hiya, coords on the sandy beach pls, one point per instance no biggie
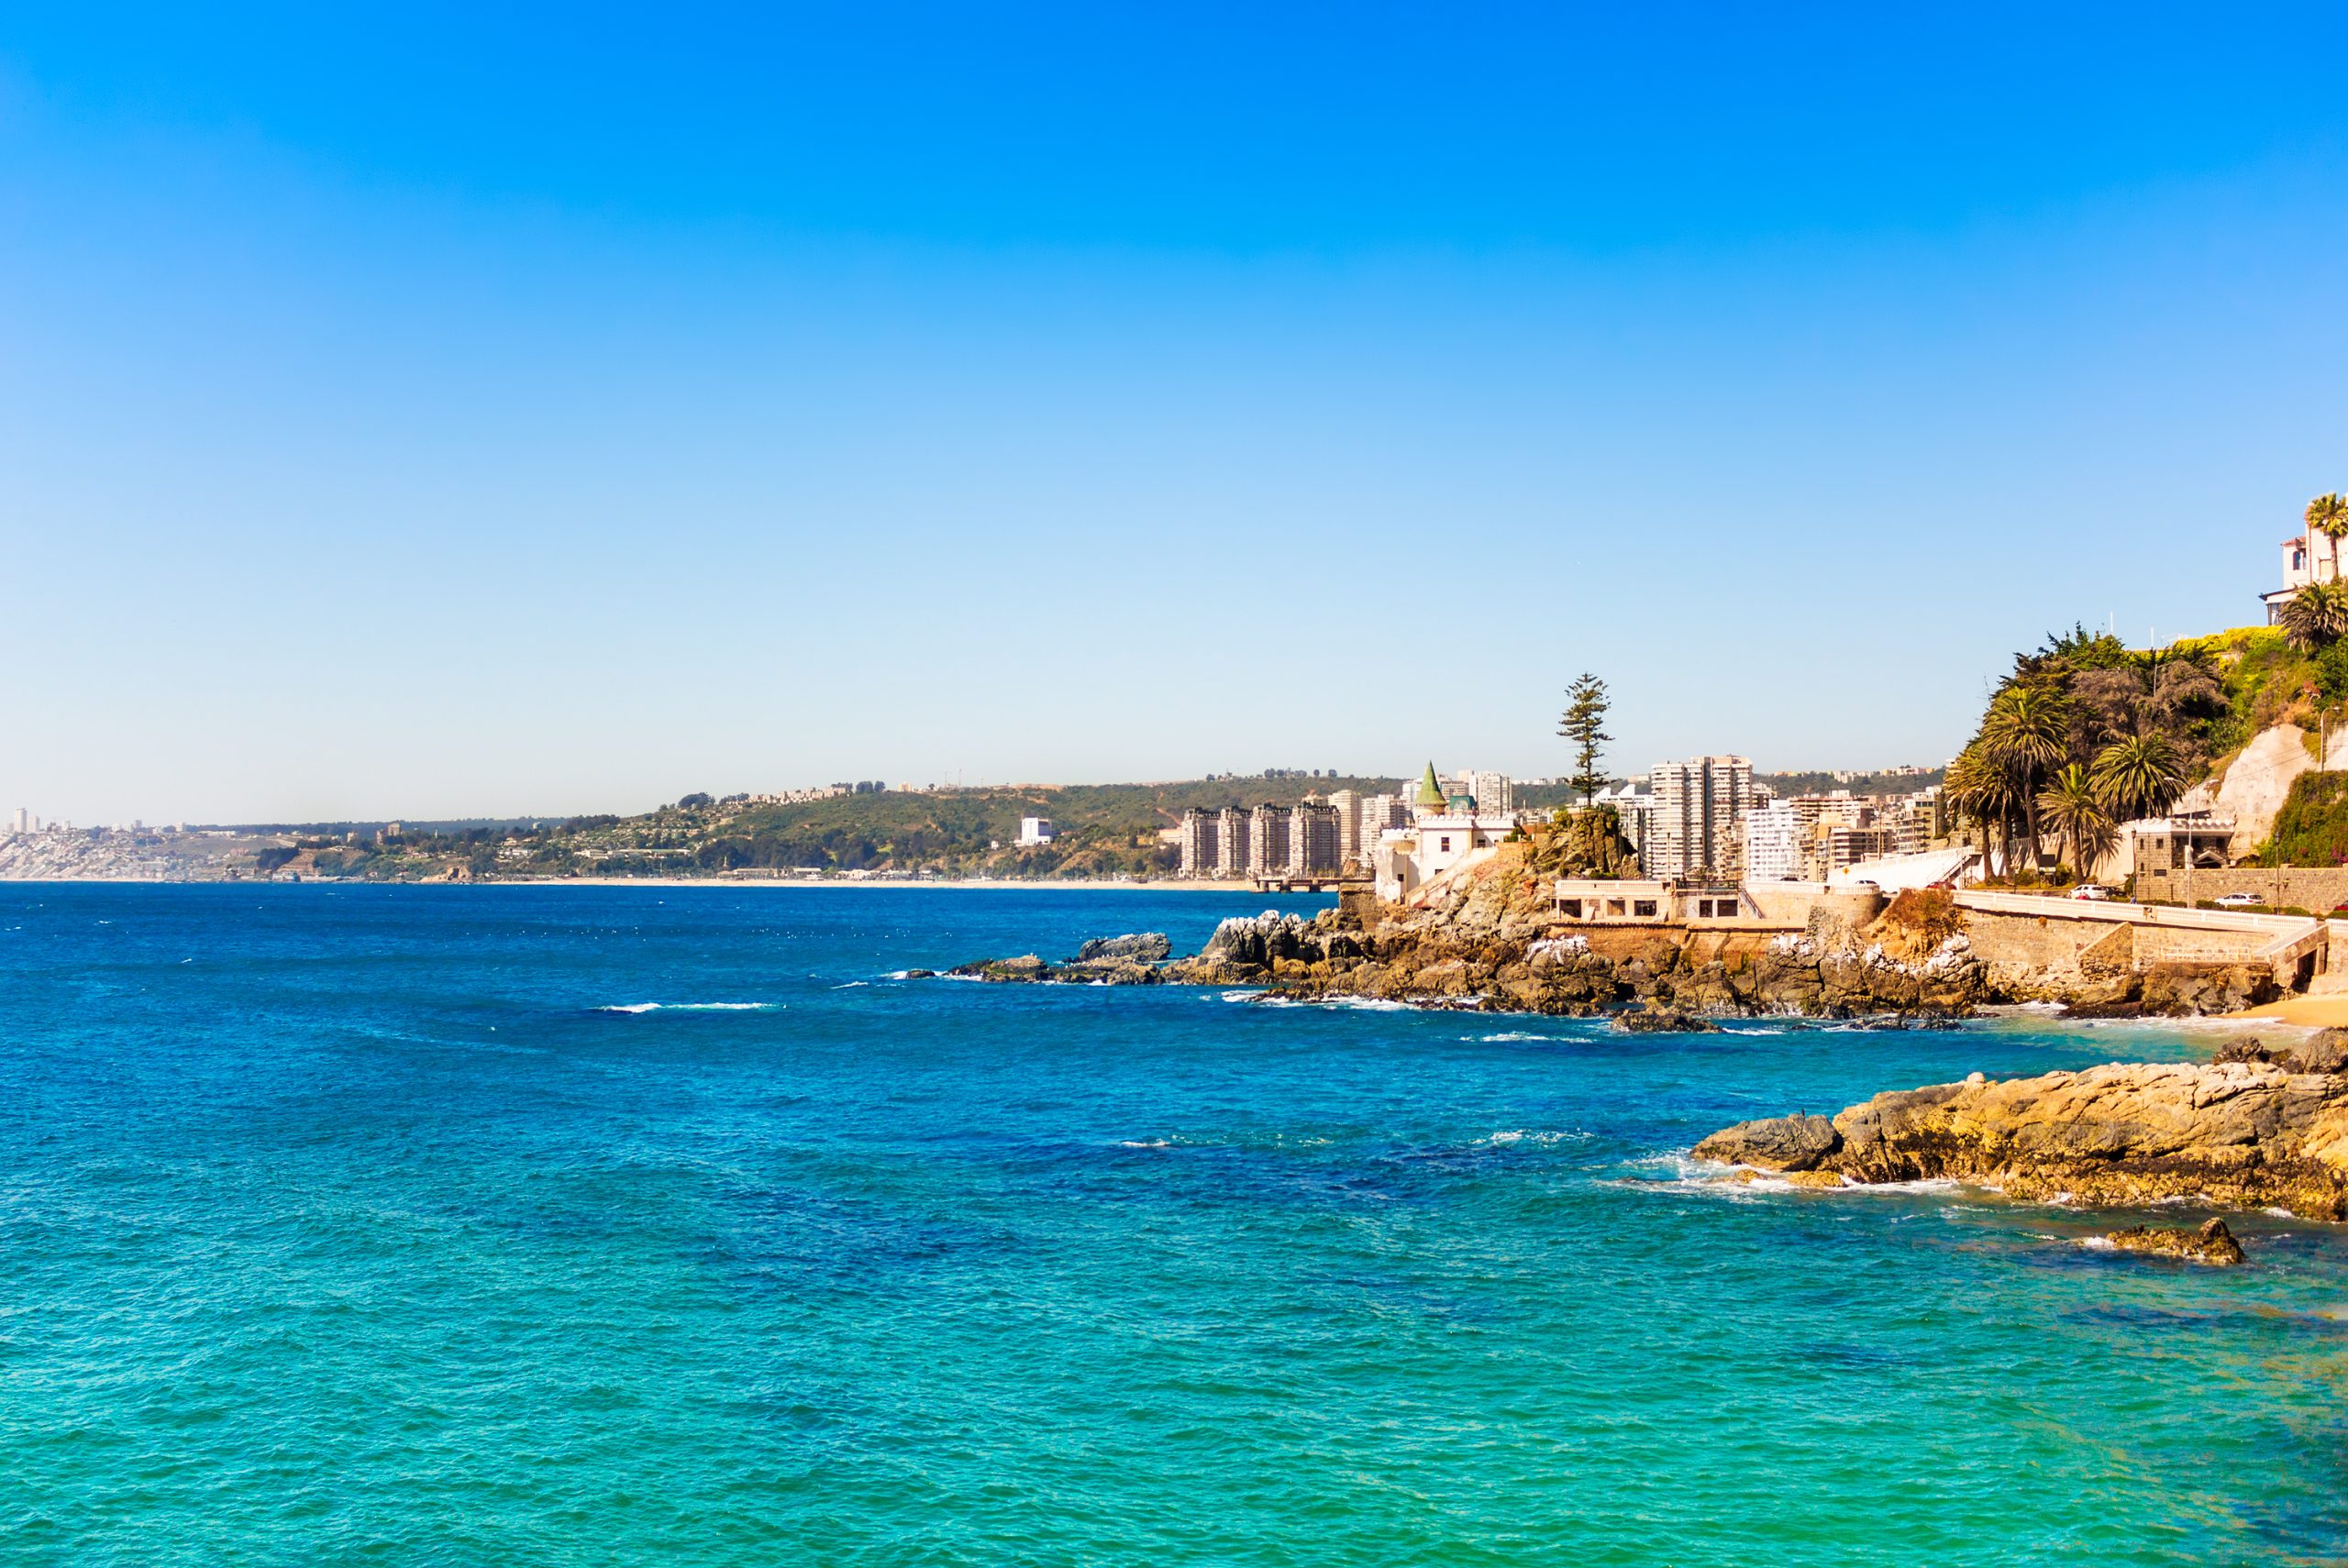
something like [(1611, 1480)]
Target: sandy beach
[(2312, 1012)]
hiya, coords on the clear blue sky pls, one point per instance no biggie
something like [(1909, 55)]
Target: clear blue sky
[(405, 413)]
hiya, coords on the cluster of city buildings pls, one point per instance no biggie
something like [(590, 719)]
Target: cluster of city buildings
[(1704, 820), (1323, 838), (34, 851)]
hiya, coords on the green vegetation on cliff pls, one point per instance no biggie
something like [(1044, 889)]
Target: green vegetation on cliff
[(2312, 829)]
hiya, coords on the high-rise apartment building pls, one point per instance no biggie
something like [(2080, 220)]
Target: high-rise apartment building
[(1348, 807), (1495, 795), (1378, 813), (1202, 842), (1313, 840), (1267, 841), (1773, 843), (1232, 842), (1695, 826)]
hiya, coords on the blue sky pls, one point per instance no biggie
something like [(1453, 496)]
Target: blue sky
[(412, 413)]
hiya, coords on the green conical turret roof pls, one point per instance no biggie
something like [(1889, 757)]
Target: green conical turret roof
[(1430, 792)]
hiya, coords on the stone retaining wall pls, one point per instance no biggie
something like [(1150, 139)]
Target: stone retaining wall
[(2316, 889), (2066, 948)]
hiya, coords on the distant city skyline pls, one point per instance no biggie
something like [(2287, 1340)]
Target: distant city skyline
[(490, 416)]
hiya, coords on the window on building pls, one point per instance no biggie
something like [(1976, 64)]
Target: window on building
[(1571, 907), (1613, 906), (1445, 844), (1643, 906)]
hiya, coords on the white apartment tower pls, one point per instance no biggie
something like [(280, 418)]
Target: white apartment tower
[(1379, 813), (1694, 827), (1773, 843), (1495, 793), (1348, 805)]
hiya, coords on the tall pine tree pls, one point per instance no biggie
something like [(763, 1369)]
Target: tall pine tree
[(1584, 723)]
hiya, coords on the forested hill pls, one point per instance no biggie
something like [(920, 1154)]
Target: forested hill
[(1104, 830)]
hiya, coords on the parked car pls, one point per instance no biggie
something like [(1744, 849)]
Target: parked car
[(2239, 901), (2093, 891)]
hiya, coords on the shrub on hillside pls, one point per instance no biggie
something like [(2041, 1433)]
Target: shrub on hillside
[(1918, 921)]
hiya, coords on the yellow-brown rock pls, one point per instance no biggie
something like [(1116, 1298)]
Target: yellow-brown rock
[(2253, 1134)]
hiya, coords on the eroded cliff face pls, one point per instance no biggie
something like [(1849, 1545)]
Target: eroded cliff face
[(2258, 1128)]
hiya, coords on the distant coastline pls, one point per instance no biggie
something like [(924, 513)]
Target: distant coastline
[(867, 884)]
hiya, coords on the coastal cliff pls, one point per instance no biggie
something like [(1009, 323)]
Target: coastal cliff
[(2257, 1128)]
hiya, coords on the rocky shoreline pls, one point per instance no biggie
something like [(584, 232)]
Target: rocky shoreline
[(2258, 1127), (1492, 943)]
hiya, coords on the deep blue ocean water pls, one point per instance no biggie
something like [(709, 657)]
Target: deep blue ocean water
[(351, 1224)]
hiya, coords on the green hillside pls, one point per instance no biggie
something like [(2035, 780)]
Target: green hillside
[(1104, 830)]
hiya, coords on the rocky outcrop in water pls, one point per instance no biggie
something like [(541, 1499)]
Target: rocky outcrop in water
[(2211, 1244), (2251, 1133), (1139, 947), (1029, 968), (1663, 1021)]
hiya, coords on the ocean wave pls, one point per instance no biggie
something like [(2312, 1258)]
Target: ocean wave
[(1514, 1037), (689, 1006), (1145, 1142), (851, 985)]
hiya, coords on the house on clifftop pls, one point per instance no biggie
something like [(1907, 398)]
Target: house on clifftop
[(2312, 556)]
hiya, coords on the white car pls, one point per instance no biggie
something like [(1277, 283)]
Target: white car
[(2239, 901), (2094, 891)]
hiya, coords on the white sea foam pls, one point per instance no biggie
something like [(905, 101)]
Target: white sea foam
[(1146, 1144), (851, 985), (689, 1007), (1513, 1037)]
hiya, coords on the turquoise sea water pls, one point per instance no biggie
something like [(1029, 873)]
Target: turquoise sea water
[(351, 1224)]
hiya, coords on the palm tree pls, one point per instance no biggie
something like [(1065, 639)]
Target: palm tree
[(2027, 732), (1984, 794), (2139, 776), (2073, 806), (2316, 616), (2328, 514)]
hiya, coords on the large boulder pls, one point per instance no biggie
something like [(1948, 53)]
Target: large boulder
[(2200, 990), (1145, 947), (1258, 939), (2325, 1051), (1795, 1143)]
